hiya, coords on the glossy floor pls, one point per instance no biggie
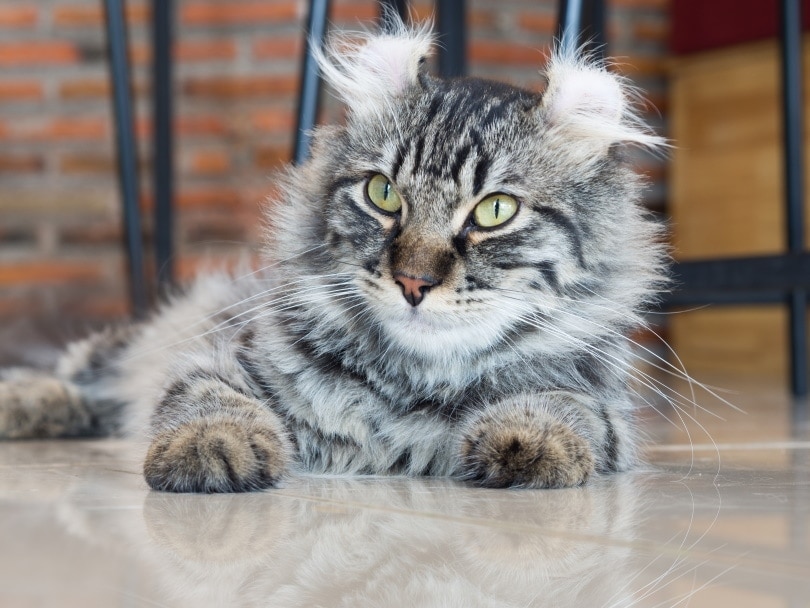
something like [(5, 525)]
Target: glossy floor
[(702, 525)]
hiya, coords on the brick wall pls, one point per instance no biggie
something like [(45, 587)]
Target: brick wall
[(236, 62)]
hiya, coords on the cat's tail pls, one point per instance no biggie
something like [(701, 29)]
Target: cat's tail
[(76, 400)]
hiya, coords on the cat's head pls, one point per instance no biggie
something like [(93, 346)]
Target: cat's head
[(461, 213)]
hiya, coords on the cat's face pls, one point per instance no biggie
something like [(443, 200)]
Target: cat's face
[(464, 212), (444, 221)]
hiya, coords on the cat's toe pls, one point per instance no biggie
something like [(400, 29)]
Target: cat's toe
[(547, 456), (216, 455)]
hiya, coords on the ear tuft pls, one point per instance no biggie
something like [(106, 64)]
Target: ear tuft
[(369, 70), (587, 104)]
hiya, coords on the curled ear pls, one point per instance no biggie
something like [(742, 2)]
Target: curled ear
[(589, 108), (368, 71)]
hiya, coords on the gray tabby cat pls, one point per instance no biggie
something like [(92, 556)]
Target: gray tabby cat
[(449, 283)]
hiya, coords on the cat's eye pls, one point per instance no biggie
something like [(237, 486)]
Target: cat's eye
[(382, 193), (494, 210)]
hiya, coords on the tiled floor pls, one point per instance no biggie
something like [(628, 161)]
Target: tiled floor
[(703, 525)]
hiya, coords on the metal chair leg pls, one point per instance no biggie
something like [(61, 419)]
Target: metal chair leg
[(126, 151), (162, 22), (791, 41), (309, 95), (453, 36), (582, 22)]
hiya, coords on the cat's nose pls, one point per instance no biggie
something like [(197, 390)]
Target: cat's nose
[(414, 288)]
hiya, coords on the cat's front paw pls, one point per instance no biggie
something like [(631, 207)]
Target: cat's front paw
[(217, 454), (524, 448)]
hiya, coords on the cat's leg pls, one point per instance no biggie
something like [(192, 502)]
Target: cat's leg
[(550, 440), (76, 400), (37, 405), (210, 434)]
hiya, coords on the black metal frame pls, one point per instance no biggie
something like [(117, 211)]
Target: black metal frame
[(452, 29), (127, 154), (162, 138), (127, 151), (791, 47), (310, 91), (581, 25)]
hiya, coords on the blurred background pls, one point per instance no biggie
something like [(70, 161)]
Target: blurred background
[(710, 75)]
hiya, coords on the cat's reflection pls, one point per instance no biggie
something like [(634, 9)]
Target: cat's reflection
[(414, 543)]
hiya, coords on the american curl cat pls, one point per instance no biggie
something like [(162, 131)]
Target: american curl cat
[(447, 290)]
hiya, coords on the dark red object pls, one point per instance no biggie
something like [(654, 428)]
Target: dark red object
[(701, 25)]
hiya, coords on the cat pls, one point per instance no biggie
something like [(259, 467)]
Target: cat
[(447, 288)]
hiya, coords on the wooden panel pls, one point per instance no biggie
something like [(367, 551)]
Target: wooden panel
[(751, 341), (727, 198)]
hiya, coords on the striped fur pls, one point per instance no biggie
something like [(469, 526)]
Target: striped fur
[(511, 371)]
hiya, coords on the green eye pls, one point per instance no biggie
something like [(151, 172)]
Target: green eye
[(381, 192), (494, 210)]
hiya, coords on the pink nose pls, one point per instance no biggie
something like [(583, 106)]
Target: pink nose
[(414, 288)]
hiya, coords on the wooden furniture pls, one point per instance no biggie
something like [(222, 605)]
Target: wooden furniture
[(727, 198)]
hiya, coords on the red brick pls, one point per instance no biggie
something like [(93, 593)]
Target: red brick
[(237, 87), (205, 50), (203, 124), (83, 15), (209, 197), (271, 158), (480, 19), (353, 12), (485, 51), (20, 89), (86, 162), (78, 128), (37, 53), (423, 11), (84, 88), (544, 23), (190, 125), (217, 13), (651, 31), (18, 16), (209, 162), (100, 307), (285, 47), (272, 121), (21, 163), (14, 308), (51, 272), (187, 267), (63, 129), (214, 226), (94, 233), (91, 88), (189, 50)]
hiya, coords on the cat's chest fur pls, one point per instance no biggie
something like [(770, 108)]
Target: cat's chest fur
[(353, 404)]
